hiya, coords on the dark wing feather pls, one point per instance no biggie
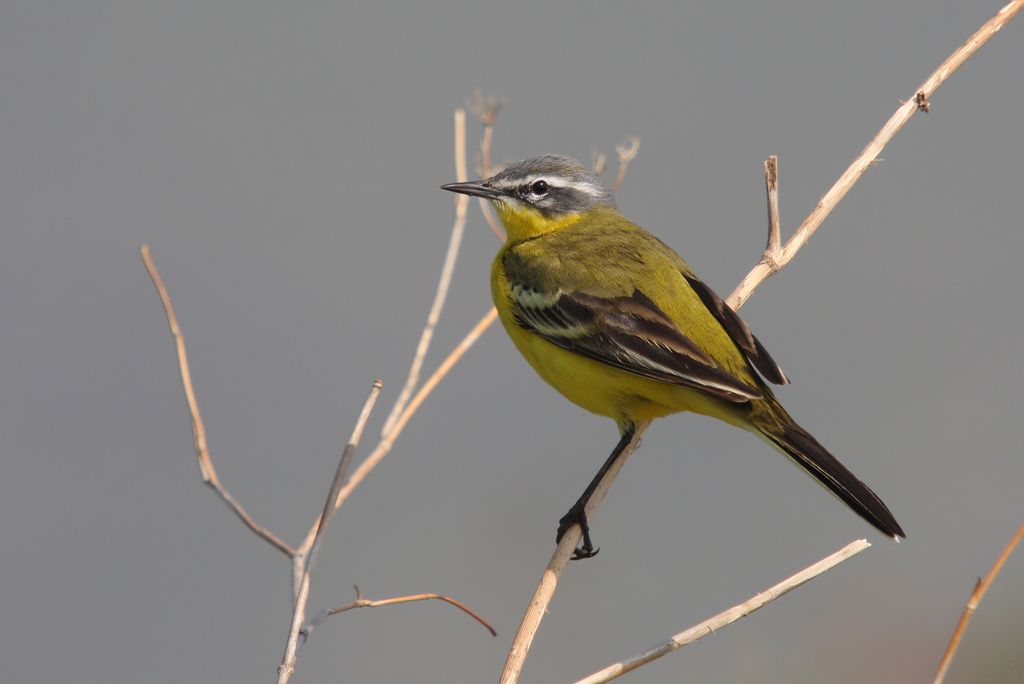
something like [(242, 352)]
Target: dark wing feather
[(630, 333), (739, 332)]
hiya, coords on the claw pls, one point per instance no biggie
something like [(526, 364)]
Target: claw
[(577, 516)]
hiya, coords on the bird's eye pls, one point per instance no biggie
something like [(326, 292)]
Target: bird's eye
[(539, 187)]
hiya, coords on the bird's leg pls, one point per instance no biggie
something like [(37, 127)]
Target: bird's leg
[(577, 515)]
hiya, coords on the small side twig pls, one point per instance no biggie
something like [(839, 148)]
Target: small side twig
[(627, 153), (486, 110), (287, 666), (726, 617), (206, 469), (972, 604), (361, 602)]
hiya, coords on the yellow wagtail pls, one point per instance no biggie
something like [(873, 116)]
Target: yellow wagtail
[(617, 322)]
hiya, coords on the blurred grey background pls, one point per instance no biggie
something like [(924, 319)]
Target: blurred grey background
[(283, 160)]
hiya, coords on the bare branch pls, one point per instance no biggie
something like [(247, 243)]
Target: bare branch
[(830, 199), (291, 651), (361, 602), (545, 590), (549, 580), (458, 228), (727, 617), (206, 469), (972, 604), (626, 155)]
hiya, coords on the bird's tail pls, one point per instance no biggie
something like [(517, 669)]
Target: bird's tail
[(782, 432)]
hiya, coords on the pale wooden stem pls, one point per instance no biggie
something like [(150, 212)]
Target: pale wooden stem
[(972, 604), (441, 294), (291, 650), (206, 469), (545, 590), (828, 202), (726, 617), (549, 580)]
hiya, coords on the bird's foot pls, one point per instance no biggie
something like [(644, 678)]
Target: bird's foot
[(577, 516)]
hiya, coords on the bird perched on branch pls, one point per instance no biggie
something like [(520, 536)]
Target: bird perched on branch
[(618, 323)]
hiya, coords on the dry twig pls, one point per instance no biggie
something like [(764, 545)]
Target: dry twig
[(486, 110), (441, 294), (627, 153), (406, 405), (726, 617), (765, 268), (972, 604), (291, 651), (361, 602), (206, 469)]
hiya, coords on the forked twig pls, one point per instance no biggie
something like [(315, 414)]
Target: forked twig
[(206, 469), (304, 556), (549, 579), (291, 650), (726, 617), (869, 154), (627, 153), (972, 604)]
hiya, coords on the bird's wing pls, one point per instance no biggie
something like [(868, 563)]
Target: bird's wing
[(627, 332), (739, 332)]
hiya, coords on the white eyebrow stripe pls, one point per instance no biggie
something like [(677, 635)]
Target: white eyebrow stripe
[(558, 182)]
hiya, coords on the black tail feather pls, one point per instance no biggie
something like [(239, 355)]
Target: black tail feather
[(807, 453)]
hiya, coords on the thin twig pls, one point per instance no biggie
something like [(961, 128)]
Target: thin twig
[(549, 580), (361, 602), (598, 162), (341, 474), (626, 155), (771, 186), (441, 294), (830, 199), (384, 446), (291, 650), (972, 604), (545, 590), (726, 617), (486, 110), (206, 469), (399, 418)]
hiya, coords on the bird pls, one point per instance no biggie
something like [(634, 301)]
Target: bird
[(619, 324)]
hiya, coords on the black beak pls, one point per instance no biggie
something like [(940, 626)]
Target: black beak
[(474, 188)]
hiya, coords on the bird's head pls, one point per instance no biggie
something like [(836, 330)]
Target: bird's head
[(540, 195)]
